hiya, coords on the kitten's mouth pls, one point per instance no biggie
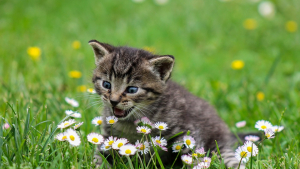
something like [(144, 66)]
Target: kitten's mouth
[(119, 113)]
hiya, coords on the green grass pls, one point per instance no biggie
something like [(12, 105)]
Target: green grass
[(204, 36)]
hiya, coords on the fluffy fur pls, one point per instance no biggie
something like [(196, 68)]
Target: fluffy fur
[(157, 98)]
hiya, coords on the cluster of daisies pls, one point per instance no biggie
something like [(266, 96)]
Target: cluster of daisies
[(249, 149), (144, 126)]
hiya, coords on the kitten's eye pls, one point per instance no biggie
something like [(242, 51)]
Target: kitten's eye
[(131, 89), (106, 85)]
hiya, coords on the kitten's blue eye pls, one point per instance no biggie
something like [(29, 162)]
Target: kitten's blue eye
[(106, 85), (131, 89)]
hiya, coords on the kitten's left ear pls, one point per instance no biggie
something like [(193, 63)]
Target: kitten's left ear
[(100, 50), (163, 65)]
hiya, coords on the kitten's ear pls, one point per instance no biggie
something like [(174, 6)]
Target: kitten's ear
[(100, 50), (163, 65)]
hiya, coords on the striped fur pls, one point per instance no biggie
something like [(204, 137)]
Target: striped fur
[(157, 98)]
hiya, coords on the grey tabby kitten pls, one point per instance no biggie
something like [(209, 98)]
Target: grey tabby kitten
[(134, 83)]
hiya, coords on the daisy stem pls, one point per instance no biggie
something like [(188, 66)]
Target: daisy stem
[(176, 158), (151, 154), (261, 141), (159, 134), (240, 163), (129, 161), (112, 152)]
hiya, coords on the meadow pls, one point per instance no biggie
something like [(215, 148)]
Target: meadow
[(240, 58)]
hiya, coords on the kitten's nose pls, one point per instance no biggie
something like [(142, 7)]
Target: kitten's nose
[(114, 103)]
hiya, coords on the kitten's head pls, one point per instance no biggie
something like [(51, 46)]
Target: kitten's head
[(129, 79)]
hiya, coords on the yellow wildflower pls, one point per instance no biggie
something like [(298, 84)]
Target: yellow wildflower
[(82, 88), (76, 44), (237, 64), (291, 26), (149, 49), (250, 24), (75, 74), (260, 96), (34, 53)]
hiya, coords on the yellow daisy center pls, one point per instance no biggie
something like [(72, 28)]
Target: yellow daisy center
[(276, 130), (90, 90), (111, 121), (178, 147), (187, 161), (243, 154), (64, 137), (206, 160), (66, 124), (188, 142), (120, 145), (128, 151), (194, 155), (263, 127), (99, 122), (107, 147), (142, 147), (158, 141), (110, 142), (249, 149), (161, 127), (95, 140), (72, 137), (143, 131), (268, 135)]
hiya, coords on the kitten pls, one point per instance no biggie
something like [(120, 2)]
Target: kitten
[(134, 83)]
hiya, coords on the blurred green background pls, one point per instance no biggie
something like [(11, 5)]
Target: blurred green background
[(205, 36), (240, 55)]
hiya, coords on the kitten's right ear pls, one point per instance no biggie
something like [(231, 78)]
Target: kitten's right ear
[(100, 50)]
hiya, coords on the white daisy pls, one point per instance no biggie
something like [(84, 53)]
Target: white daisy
[(240, 124), (159, 141), (202, 165), (72, 102), (61, 136), (200, 152), (110, 140), (143, 148), (189, 141), (105, 147), (161, 126), (207, 160), (97, 121), (66, 124), (277, 128), (78, 125), (146, 121), (263, 125), (266, 9), (241, 153), (143, 129), (187, 159), (250, 146), (127, 150), (95, 138), (73, 138), (91, 90), (74, 114), (111, 120), (252, 138), (119, 143), (177, 146), (269, 133)]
